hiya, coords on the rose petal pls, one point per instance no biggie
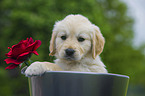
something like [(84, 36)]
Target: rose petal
[(18, 49), (31, 40), (24, 56), (12, 66), (9, 54), (30, 47), (10, 60), (33, 46), (38, 43), (35, 52), (24, 42)]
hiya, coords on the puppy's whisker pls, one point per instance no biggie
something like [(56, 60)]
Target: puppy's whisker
[(82, 50)]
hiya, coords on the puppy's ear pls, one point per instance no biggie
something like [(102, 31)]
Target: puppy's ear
[(98, 42), (52, 48)]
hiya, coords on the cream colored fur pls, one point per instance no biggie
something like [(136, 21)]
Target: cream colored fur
[(86, 57)]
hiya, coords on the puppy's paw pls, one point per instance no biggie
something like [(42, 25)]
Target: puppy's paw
[(36, 68)]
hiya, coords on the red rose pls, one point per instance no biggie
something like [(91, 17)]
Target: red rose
[(21, 52)]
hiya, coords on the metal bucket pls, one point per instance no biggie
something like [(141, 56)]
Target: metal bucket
[(64, 83)]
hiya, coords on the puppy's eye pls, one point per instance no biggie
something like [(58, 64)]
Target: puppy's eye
[(80, 39), (63, 37)]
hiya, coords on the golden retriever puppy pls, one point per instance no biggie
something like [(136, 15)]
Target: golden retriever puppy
[(77, 44)]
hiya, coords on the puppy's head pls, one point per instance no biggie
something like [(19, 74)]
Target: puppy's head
[(75, 37)]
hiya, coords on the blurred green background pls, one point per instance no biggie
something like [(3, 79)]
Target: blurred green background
[(20, 19)]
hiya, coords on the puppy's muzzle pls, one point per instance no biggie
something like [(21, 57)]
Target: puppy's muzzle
[(69, 52)]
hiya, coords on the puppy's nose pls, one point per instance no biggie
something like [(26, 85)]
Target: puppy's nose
[(69, 52)]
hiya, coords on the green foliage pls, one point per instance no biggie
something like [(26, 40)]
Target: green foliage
[(20, 19)]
